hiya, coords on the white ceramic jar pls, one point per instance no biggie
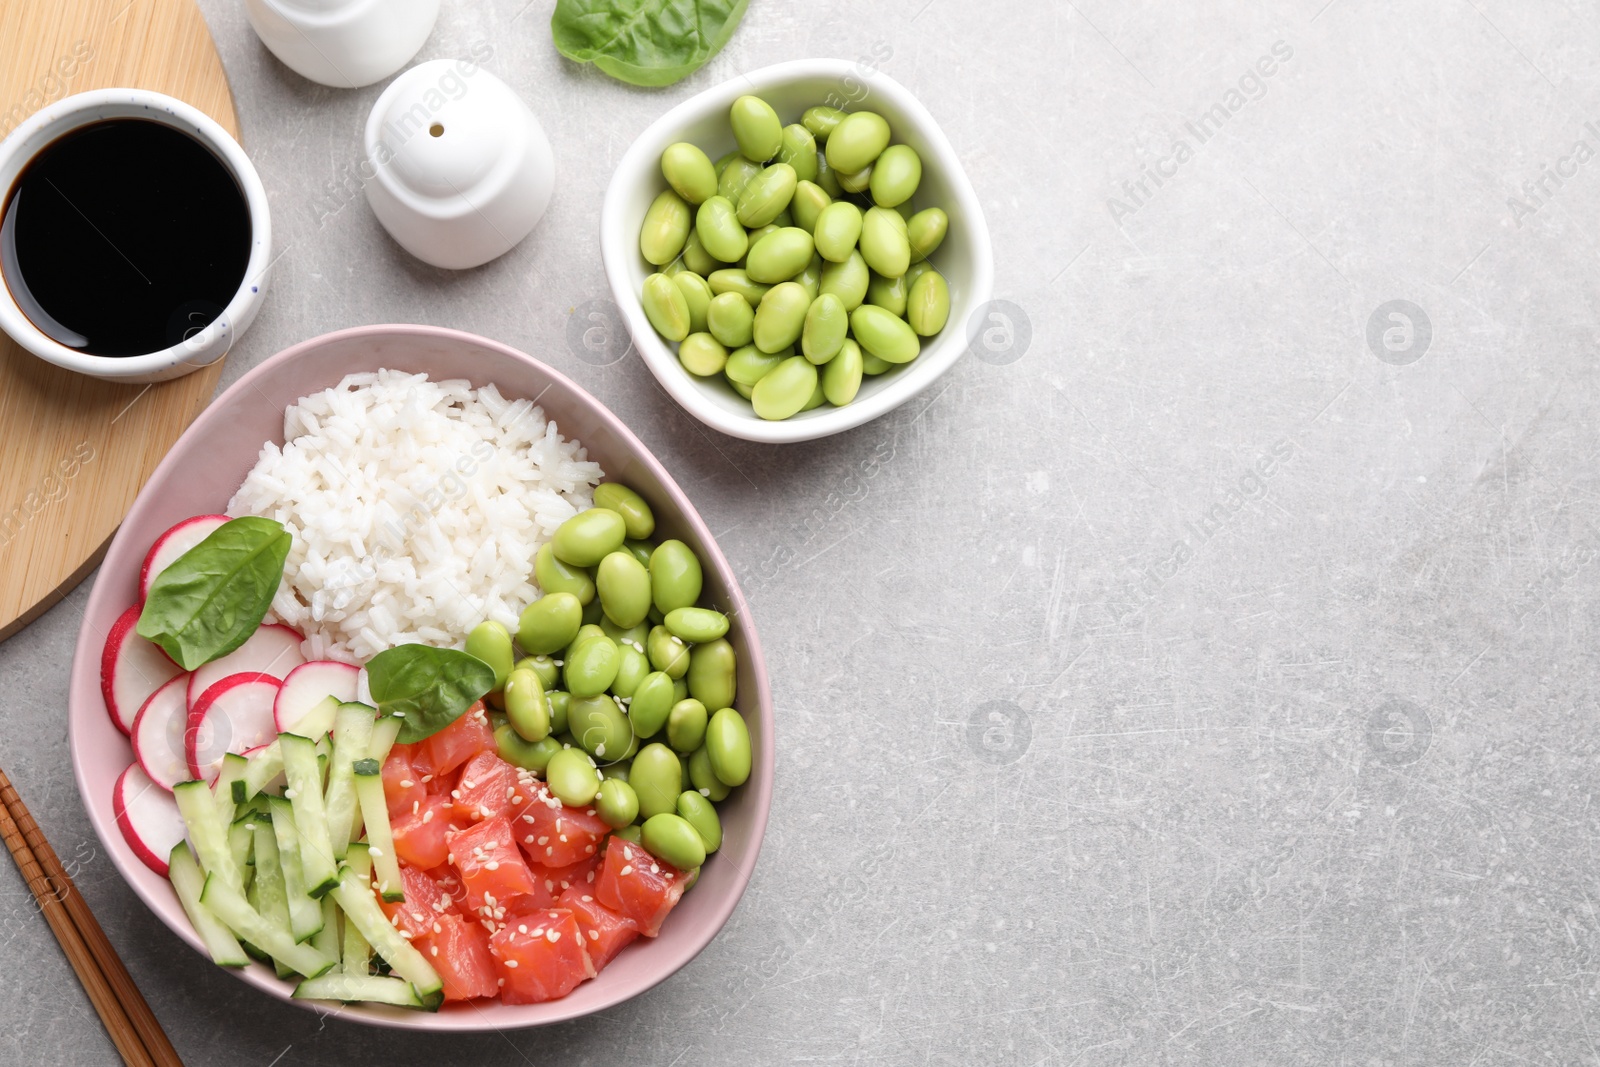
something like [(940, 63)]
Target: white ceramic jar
[(343, 43)]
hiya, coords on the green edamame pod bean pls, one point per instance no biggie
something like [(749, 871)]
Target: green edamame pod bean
[(928, 307), (680, 689), (756, 128), (699, 813), (670, 838), (527, 708), (781, 316), (666, 228), (728, 747), (627, 636), (655, 776), (560, 701), (717, 224), (697, 295), (827, 177), (651, 705), (808, 204), (529, 755), (591, 666), (639, 550), (722, 161), (689, 171), (550, 623), (632, 668), (704, 779), (743, 390), (589, 537), (782, 393), (838, 230), (616, 771), (918, 268), (543, 667), (731, 320), (589, 629), (617, 804), (884, 334), (817, 398), (857, 182), (624, 587), (667, 653), (799, 150), (779, 255), (696, 625), (572, 777), (591, 610), (841, 378), (735, 280), (627, 833), (755, 238), (600, 727), (702, 355), (810, 279), (556, 576), (857, 140), (713, 667), (665, 307), (490, 641), (888, 293), (926, 230), (696, 258), (848, 280), (896, 175), (675, 577), (733, 180), (821, 121), (827, 322), (872, 366), (767, 195), (785, 217), (686, 726), (883, 242)]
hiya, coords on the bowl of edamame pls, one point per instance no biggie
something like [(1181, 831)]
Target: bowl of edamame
[(796, 251)]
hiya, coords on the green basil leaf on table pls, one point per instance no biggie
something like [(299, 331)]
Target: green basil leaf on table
[(427, 687), (214, 596), (645, 42)]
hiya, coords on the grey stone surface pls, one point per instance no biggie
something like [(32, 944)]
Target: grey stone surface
[(1099, 744)]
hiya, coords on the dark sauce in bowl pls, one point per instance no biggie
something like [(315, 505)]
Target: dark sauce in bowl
[(124, 237)]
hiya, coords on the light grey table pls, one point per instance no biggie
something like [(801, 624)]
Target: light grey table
[(1209, 678)]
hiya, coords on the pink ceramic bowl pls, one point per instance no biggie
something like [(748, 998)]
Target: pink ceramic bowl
[(201, 473)]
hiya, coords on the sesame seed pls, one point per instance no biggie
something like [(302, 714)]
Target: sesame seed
[(427, 815), (590, 811), (552, 936), (374, 850), (468, 784), (588, 849), (528, 840), (654, 869), (433, 950), (416, 806), (594, 935), (627, 869), (500, 982), (549, 850), (406, 783), (511, 963), (455, 794), (492, 865), (426, 778), (289, 794), (450, 857), (549, 886), (543, 840), (705, 792)]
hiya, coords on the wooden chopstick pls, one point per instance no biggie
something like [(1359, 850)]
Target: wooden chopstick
[(128, 1019)]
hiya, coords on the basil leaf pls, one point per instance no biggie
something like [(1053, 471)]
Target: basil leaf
[(645, 42), (214, 596), (427, 687)]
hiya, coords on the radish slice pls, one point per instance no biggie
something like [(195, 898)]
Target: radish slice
[(147, 816), (234, 715), (273, 650), (131, 668), (158, 734), (309, 685), (174, 543)]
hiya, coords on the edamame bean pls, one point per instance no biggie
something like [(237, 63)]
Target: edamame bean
[(572, 777), (827, 177), (617, 804), (627, 636), (780, 317), (559, 701), (728, 747), (841, 378), (799, 150), (731, 183), (670, 838), (529, 755), (617, 771), (817, 398), (527, 708), (589, 537), (589, 629), (667, 653), (543, 667), (652, 704), (810, 279), (808, 204), (742, 389), (655, 776), (696, 258), (624, 587), (785, 217), (837, 231), (592, 612), (686, 726), (731, 320), (755, 238), (784, 392), (928, 308), (591, 666), (884, 334), (600, 727), (490, 641), (918, 268), (704, 779), (756, 128), (872, 366), (699, 813), (702, 355), (632, 669), (697, 295), (556, 576), (721, 235), (857, 182), (848, 280), (896, 175), (696, 625), (639, 550), (713, 674), (926, 230), (689, 171), (767, 195), (735, 280), (821, 121), (665, 307), (888, 293), (666, 228), (883, 242), (827, 322), (779, 256), (857, 140), (675, 577), (722, 161), (550, 623), (749, 365)]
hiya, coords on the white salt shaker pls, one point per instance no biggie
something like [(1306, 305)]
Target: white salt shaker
[(343, 43), (463, 168)]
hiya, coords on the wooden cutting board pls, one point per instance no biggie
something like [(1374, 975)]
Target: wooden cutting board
[(75, 451)]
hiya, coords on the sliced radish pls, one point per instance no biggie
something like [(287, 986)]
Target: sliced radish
[(147, 816), (158, 734), (131, 668), (174, 543), (307, 686), (273, 650), (234, 715)]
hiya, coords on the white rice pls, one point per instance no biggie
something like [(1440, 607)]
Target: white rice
[(416, 508)]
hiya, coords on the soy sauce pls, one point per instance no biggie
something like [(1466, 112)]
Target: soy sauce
[(124, 237)]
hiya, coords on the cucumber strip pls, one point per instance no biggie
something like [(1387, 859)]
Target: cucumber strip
[(365, 988), (319, 720), (310, 817), (305, 916), (207, 832), (324, 749), (229, 905), (189, 882), (233, 770), (352, 736), (361, 907), (241, 842), (265, 767), (356, 955), (272, 900), (384, 732), (380, 841), (326, 940)]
